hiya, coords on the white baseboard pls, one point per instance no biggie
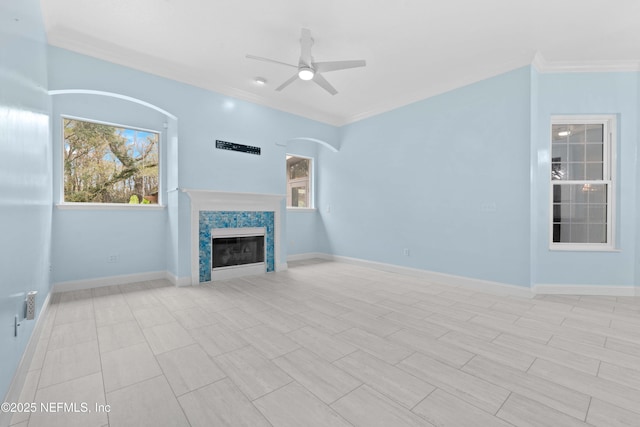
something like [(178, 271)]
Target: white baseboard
[(15, 388), (308, 255), (618, 291), (432, 276), (99, 282), (177, 281), (478, 284)]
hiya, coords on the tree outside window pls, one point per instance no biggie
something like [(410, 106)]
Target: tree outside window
[(109, 164)]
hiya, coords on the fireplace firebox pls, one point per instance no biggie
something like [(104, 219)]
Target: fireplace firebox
[(237, 251), (234, 251)]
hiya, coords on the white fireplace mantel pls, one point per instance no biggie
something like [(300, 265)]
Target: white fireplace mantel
[(207, 200)]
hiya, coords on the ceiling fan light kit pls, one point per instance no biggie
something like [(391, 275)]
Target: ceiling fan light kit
[(308, 69), (305, 73)]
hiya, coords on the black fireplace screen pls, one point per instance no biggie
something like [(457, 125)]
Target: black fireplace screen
[(230, 251)]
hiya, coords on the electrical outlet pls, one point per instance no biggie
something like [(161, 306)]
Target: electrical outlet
[(113, 258), (405, 251)]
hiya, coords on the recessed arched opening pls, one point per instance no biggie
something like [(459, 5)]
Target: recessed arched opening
[(314, 140), (112, 95)]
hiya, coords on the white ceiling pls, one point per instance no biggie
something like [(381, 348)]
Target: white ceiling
[(414, 48)]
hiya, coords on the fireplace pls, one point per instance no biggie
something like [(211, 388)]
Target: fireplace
[(223, 215), (237, 248)]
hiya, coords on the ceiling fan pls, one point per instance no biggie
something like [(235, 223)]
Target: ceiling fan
[(308, 69)]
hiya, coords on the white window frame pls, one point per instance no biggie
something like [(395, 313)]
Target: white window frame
[(609, 122), (62, 204), (312, 204)]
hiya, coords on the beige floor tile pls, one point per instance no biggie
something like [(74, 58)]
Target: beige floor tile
[(443, 409), (364, 407), (621, 375), (150, 403), (68, 334), (324, 345), (153, 316), (381, 348), (317, 375), (364, 307), (74, 311), (236, 319), (406, 309), (279, 320), (113, 314), (327, 307), (269, 341), (324, 322), (421, 325), (587, 349), (598, 352), (553, 354), (536, 334), (624, 346), (176, 302), (546, 392), (221, 404), (393, 382), (600, 388), (37, 360), (81, 396), (69, 363), (104, 291), (217, 339), (27, 394), (441, 350), (189, 368), (127, 366), (465, 326), (294, 406), (253, 373), (120, 335), (194, 317), (286, 305), (379, 326), (166, 337), (505, 355), (139, 299), (603, 414), (469, 388), (523, 412)]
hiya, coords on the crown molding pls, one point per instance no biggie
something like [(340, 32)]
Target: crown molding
[(543, 66), (102, 51)]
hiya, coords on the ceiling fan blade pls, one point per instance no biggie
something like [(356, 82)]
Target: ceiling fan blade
[(259, 58), (287, 83), (305, 43), (324, 67), (324, 84)]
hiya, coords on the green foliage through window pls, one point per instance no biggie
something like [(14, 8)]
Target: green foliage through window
[(109, 164)]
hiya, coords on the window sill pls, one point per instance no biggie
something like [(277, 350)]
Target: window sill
[(108, 206), (582, 249), (289, 209)]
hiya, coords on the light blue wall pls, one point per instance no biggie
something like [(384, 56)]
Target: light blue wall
[(83, 240), (447, 178), (202, 117), (305, 229), (25, 176), (589, 93)]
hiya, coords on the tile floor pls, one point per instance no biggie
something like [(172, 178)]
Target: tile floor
[(332, 344)]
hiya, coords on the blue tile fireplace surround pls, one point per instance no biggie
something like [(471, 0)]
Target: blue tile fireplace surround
[(208, 220)]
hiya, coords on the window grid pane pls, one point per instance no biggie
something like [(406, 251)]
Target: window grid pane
[(580, 213), (298, 182)]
